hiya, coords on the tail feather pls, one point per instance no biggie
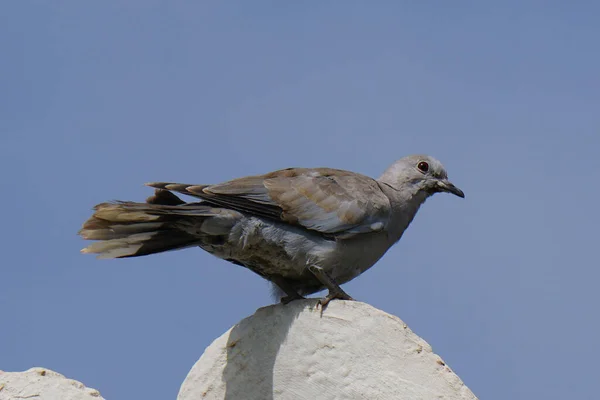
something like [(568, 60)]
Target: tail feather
[(164, 197), (132, 246), (127, 229)]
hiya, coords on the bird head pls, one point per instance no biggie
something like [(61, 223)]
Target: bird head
[(420, 174)]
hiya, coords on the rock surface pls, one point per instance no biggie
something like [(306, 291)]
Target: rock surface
[(43, 384), (296, 352)]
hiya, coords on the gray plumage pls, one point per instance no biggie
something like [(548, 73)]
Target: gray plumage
[(304, 229)]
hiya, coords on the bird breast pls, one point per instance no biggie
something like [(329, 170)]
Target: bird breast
[(270, 248)]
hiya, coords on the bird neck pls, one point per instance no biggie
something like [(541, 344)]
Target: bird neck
[(405, 202)]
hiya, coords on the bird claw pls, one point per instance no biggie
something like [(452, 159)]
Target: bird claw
[(340, 295)]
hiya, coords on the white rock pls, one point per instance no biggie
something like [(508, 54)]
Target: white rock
[(43, 384), (295, 352)]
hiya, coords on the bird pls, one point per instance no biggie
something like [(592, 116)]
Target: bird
[(303, 229)]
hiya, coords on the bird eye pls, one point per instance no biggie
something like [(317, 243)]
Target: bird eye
[(423, 166)]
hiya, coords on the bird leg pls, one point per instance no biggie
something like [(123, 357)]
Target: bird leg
[(291, 293), (291, 297), (335, 291)]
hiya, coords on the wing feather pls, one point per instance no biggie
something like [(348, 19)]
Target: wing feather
[(329, 201)]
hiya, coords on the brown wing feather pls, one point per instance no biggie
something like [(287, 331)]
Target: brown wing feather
[(240, 201), (326, 200)]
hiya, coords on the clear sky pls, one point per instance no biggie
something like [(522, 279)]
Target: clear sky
[(97, 98)]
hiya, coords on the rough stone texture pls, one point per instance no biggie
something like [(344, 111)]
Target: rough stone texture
[(43, 384), (295, 352)]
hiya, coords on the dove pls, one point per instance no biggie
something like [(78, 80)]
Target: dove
[(302, 229)]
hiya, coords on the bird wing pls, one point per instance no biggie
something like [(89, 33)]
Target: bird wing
[(330, 201)]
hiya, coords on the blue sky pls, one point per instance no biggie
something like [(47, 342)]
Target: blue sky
[(97, 98)]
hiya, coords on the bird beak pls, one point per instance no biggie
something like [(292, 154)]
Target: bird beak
[(445, 185)]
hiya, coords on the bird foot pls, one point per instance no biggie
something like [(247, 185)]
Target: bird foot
[(340, 295), (335, 291)]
